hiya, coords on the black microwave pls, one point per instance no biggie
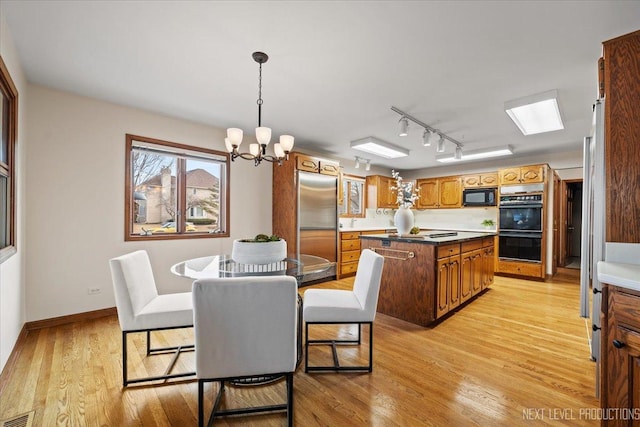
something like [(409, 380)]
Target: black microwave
[(479, 197)]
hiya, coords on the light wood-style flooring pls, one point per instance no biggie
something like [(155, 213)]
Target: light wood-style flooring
[(517, 355)]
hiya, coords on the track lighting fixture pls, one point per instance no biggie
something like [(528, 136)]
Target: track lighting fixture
[(357, 165), (360, 160), (440, 146), (429, 136), (404, 125), (368, 165), (458, 155)]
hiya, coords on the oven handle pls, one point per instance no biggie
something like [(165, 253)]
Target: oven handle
[(514, 206), (528, 234)]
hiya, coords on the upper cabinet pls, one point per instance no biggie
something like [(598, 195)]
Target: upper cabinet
[(445, 192), (351, 200), (522, 175), (379, 192), (311, 164), (489, 179)]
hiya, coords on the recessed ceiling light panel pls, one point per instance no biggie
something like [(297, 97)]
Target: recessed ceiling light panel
[(380, 148), (536, 113)]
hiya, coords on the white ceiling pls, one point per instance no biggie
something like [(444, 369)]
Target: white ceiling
[(335, 68)]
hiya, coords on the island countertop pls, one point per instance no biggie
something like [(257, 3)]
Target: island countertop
[(432, 237)]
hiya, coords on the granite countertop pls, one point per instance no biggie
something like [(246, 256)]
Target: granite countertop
[(426, 237), (390, 227)]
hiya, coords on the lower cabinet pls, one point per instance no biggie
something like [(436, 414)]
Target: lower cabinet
[(349, 251), (620, 356), (463, 271)]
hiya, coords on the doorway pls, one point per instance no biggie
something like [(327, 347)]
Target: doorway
[(571, 224)]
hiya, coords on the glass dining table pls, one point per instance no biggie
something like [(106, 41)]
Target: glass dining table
[(218, 266)]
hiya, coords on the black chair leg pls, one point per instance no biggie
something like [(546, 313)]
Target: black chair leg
[(336, 364), (290, 399)]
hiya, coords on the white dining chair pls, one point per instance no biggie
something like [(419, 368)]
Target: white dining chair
[(245, 329), (335, 307), (142, 309)]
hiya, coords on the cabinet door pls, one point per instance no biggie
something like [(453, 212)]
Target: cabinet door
[(466, 276), (489, 180), (450, 192), (307, 163), (442, 300), (390, 196), (509, 176), (532, 174), (488, 266), (454, 282), (428, 193), (329, 168), (471, 181), (476, 268), (624, 371)]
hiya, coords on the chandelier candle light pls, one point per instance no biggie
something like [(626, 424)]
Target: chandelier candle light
[(407, 194), (258, 152)]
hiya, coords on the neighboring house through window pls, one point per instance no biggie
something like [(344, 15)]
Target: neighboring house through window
[(174, 190), (8, 128)]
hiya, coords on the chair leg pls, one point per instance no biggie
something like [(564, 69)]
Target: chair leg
[(200, 403), (150, 351), (290, 399), (336, 363)]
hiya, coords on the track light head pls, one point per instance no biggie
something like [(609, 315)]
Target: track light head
[(357, 166), (440, 146), (404, 125), (367, 166), (425, 138), (458, 154)]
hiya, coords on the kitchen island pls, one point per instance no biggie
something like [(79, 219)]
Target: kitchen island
[(429, 275)]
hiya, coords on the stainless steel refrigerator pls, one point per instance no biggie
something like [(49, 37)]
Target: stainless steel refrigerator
[(593, 230), (317, 221)]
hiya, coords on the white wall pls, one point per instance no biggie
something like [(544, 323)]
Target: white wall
[(12, 271), (75, 182)]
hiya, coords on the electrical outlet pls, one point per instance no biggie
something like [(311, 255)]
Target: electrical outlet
[(94, 291)]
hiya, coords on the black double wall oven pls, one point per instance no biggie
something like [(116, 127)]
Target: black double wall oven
[(520, 229)]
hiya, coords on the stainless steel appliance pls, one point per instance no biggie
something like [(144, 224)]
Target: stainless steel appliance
[(520, 227), (318, 220), (479, 197), (593, 229)]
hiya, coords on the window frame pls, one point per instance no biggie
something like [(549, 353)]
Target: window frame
[(181, 151), (347, 197), (9, 92)]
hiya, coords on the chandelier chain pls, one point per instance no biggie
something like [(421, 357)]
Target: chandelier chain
[(259, 101)]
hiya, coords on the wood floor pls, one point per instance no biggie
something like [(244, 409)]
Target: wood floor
[(517, 355)]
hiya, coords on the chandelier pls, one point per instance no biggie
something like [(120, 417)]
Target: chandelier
[(258, 151)]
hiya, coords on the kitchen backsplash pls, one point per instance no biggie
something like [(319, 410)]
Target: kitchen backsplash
[(454, 219)]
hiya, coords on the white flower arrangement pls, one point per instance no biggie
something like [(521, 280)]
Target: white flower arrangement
[(407, 192)]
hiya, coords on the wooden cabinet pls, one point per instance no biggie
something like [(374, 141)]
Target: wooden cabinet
[(523, 175), (448, 279), (472, 270), (620, 354), (488, 262), (349, 249), (311, 164), (445, 192), (489, 179), (621, 63), (531, 269), (379, 192)]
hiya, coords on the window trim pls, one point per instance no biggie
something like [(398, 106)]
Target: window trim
[(174, 148), (9, 91), (347, 197)]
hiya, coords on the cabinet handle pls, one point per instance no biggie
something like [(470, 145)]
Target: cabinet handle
[(595, 328), (596, 291), (618, 344)]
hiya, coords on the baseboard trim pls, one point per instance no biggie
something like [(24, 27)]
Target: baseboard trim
[(13, 357), (71, 318)]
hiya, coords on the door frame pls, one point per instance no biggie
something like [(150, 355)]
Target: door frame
[(562, 223)]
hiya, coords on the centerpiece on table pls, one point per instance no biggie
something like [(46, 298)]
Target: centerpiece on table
[(262, 249), (407, 194)]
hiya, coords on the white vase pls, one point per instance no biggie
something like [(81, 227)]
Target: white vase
[(258, 252), (403, 219)]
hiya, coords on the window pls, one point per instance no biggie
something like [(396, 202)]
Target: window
[(8, 127), (175, 191), (352, 201)]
